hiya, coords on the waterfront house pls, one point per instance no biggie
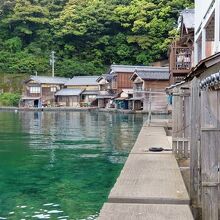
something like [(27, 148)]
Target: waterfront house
[(90, 88), (149, 88), (105, 94), (123, 101), (181, 50), (83, 82), (120, 76), (68, 97), (40, 91)]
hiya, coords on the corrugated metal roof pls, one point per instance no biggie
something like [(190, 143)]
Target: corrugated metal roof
[(131, 69), (153, 75), (188, 18), (83, 81), (49, 79), (69, 92)]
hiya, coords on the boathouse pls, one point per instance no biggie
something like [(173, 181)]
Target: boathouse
[(89, 86), (123, 101), (68, 97), (149, 88), (121, 75), (40, 91), (105, 94)]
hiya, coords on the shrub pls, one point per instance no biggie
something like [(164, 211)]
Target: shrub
[(9, 99)]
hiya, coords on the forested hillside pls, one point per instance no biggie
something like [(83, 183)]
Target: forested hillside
[(87, 35)]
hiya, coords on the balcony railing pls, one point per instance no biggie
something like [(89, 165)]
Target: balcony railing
[(180, 60)]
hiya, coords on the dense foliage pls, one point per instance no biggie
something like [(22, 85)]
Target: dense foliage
[(87, 35), (9, 99)]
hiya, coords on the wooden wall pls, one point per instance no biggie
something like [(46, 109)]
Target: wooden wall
[(124, 82), (69, 101), (156, 84)]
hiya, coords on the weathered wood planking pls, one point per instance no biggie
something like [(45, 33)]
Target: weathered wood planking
[(181, 122), (210, 140), (150, 179), (113, 211), (195, 175)]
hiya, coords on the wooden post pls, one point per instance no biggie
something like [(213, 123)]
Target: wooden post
[(186, 121), (177, 122), (149, 108), (210, 140), (195, 175)]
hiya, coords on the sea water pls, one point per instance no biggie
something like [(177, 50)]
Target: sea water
[(61, 165)]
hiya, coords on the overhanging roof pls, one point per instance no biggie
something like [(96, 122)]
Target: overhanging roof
[(187, 18), (69, 92), (83, 81), (130, 69), (203, 65), (90, 92), (48, 80), (156, 73)]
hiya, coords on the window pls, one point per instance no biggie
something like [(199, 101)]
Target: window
[(53, 89), (34, 89)]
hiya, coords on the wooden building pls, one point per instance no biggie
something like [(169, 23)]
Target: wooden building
[(181, 50), (83, 82), (123, 101), (196, 112), (39, 91), (149, 88), (105, 94), (68, 97), (121, 75), (89, 86)]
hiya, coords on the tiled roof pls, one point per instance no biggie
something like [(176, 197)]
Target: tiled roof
[(69, 92), (188, 18), (49, 79), (130, 69), (83, 81), (154, 74)]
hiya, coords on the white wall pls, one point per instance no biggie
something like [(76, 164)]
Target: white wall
[(201, 7)]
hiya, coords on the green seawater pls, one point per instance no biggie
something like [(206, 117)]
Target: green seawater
[(61, 165)]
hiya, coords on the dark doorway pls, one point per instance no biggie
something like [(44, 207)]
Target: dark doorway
[(36, 102)]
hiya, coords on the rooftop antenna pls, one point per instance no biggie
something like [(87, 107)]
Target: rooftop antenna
[(52, 61)]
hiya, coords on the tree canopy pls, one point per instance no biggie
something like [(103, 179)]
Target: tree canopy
[(87, 35)]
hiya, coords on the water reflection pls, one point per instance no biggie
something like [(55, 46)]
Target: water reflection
[(69, 160)]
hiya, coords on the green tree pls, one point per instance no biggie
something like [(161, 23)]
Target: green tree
[(87, 35)]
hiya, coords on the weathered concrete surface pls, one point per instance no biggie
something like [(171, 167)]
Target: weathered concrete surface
[(118, 211), (151, 137), (150, 185), (150, 179)]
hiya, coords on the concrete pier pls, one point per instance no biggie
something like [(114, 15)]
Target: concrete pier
[(150, 185)]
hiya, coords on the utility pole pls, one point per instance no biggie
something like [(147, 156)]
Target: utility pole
[(52, 62)]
